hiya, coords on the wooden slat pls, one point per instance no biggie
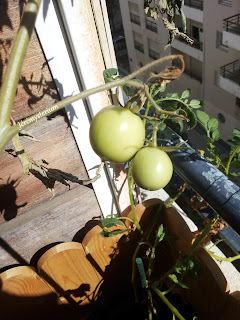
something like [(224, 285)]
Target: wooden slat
[(36, 89), (54, 221), (19, 193)]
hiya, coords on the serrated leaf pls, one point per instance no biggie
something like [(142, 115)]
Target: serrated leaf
[(212, 124), (216, 135), (109, 222), (195, 104), (186, 94), (203, 117), (162, 126)]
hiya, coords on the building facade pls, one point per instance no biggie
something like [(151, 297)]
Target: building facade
[(212, 63)]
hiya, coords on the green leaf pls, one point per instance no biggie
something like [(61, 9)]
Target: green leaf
[(216, 135), (186, 94), (192, 119), (162, 126), (236, 133), (172, 95), (212, 124), (195, 104), (109, 222), (110, 74), (160, 235), (181, 126), (174, 279), (203, 117), (106, 233)]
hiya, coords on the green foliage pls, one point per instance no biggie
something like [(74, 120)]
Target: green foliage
[(110, 74), (175, 279), (190, 267), (105, 233), (110, 222)]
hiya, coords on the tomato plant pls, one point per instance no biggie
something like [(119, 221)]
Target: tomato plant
[(152, 168), (116, 134)]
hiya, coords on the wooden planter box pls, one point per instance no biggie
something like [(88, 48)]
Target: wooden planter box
[(75, 279)]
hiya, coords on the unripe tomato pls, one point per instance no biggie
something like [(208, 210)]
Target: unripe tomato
[(152, 168), (116, 134)]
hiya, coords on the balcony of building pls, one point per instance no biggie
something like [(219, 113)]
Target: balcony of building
[(229, 78), (231, 33), (193, 9), (194, 50)]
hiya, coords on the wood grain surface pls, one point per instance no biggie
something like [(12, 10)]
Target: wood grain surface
[(26, 237)]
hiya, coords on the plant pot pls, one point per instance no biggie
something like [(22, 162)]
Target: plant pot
[(92, 279)]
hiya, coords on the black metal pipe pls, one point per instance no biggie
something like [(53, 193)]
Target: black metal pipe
[(222, 194)]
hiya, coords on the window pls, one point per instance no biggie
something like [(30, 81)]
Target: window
[(227, 3), (153, 49), (138, 42), (220, 43), (134, 13), (195, 33), (151, 26)]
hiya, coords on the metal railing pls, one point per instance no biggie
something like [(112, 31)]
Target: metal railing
[(151, 26), (139, 46), (231, 71), (232, 24), (197, 4), (135, 19), (153, 54)]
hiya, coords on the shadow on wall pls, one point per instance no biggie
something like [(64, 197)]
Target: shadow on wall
[(8, 196)]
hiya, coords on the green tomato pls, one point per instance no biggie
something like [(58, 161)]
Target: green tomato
[(116, 134), (152, 168)]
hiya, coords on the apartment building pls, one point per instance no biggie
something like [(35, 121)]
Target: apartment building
[(212, 62)]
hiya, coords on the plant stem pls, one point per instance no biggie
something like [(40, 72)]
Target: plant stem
[(21, 154), (184, 186), (237, 150), (154, 134), (159, 109), (7, 132), (130, 190), (15, 62), (230, 259), (167, 302)]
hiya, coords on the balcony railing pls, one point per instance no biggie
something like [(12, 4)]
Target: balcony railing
[(153, 54), (231, 71), (196, 44), (197, 4), (151, 26), (138, 46), (232, 24), (135, 19)]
